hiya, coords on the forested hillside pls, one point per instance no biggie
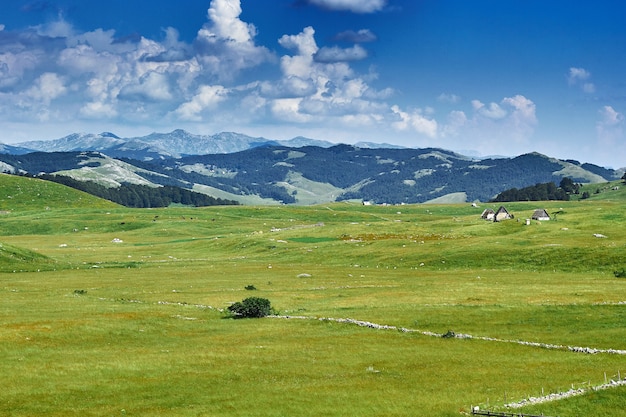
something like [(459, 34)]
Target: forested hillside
[(309, 174), (141, 196)]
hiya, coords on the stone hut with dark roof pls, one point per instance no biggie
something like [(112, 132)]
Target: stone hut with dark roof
[(540, 214)]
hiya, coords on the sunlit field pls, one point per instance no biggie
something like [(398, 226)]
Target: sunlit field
[(112, 311)]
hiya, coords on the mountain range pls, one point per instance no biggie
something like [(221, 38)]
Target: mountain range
[(175, 144), (255, 170)]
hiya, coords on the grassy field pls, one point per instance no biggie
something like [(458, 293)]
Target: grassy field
[(112, 311)]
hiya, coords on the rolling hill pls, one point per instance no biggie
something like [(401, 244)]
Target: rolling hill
[(311, 174), (301, 171), (22, 193)]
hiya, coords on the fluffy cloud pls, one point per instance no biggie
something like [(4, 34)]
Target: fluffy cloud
[(319, 87), (493, 127), (226, 45), (303, 43), (207, 97), (97, 76), (517, 112), (490, 111), (107, 77), (56, 29), (13, 66), (415, 121), (36, 101), (226, 23), (54, 69), (46, 88), (578, 74), (355, 6), (523, 113), (98, 110), (83, 59), (580, 77), (152, 86)]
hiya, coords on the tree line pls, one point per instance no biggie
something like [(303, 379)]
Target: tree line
[(140, 196), (540, 192)]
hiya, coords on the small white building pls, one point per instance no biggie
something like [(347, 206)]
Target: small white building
[(502, 214), (488, 214)]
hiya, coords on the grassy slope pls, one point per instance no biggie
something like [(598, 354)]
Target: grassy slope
[(129, 320), (31, 194), (29, 205)]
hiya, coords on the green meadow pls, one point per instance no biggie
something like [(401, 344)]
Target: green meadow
[(110, 311)]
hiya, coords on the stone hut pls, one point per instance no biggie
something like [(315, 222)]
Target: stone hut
[(488, 214), (540, 214), (502, 214)]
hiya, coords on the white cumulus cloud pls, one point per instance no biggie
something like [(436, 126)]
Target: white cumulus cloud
[(415, 121), (225, 45), (151, 86), (46, 88), (523, 109), (226, 23), (318, 86), (207, 97), (491, 111), (98, 110)]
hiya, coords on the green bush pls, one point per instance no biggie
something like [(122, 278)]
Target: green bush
[(251, 307)]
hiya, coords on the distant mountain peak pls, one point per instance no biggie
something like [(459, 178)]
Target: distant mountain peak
[(179, 132)]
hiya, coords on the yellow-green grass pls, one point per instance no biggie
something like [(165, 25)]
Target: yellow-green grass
[(104, 349), (30, 194), (125, 315)]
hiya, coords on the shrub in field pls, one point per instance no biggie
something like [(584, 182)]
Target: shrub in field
[(251, 307), (250, 287), (620, 273)]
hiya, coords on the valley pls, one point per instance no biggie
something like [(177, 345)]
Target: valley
[(112, 311)]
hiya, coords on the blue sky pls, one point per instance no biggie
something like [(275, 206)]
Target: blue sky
[(494, 77)]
